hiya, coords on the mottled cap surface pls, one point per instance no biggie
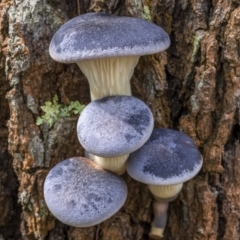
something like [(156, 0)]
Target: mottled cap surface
[(81, 194), (101, 35), (114, 126), (168, 157)]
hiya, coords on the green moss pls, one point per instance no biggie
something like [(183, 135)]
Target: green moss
[(196, 44), (146, 13), (54, 110), (141, 10)]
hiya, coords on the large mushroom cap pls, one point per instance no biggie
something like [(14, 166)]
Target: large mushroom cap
[(101, 35), (81, 194), (114, 126), (168, 157)]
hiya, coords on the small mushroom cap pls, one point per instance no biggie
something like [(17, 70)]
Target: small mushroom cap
[(168, 157), (114, 126), (101, 35), (81, 194)]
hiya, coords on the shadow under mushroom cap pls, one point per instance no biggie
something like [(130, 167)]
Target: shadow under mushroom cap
[(168, 157), (101, 35), (80, 193)]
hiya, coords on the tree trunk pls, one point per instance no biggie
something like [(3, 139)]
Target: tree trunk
[(193, 87)]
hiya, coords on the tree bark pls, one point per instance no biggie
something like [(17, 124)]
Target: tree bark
[(193, 87)]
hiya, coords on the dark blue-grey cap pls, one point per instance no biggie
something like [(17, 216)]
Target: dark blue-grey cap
[(81, 194), (101, 35), (168, 157), (114, 126)]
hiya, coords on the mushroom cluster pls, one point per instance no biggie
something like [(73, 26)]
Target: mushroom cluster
[(115, 129), (167, 160)]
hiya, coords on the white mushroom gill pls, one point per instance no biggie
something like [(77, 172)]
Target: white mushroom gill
[(109, 76), (115, 164), (168, 191)]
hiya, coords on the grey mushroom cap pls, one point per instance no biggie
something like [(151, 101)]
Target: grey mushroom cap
[(101, 35), (114, 126), (168, 157), (81, 194)]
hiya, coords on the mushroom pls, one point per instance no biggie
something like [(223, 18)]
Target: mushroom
[(107, 49), (164, 162), (113, 164), (112, 127), (81, 194)]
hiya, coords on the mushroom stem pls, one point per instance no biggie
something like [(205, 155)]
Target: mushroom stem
[(160, 219), (109, 76), (167, 191), (163, 195), (115, 164)]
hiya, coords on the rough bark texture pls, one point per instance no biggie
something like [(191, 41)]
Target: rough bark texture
[(194, 87)]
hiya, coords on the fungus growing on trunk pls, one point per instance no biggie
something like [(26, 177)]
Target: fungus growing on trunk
[(112, 127), (107, 49), (81, 194), (113, 164), (164, 162)]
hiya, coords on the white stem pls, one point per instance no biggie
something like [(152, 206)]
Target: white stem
[(114, 164), (163, 195), (160, 219), (168, 191), (109, 76)]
